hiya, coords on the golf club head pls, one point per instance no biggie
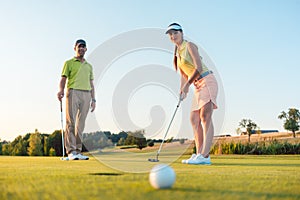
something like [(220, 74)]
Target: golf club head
[(64, 158), (153, 160)]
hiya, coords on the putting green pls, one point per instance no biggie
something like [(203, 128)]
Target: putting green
[(229, 177)]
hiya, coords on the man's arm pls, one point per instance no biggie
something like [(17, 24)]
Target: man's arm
[(93, 104), (62, 84)]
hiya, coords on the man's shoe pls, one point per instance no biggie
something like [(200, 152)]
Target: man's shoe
[(191, 158), (200, 160), (82, 157), (73, 156)]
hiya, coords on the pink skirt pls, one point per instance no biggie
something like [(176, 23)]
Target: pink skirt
[(206, 90)]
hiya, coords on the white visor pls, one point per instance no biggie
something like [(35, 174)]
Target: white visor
[(174, 27)]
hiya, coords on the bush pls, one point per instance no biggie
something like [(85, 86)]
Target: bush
[(52, 152), (150, 143), (128, 147), (181, 141), (273, 147)]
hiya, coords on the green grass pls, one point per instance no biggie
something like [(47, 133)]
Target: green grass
[(229, 177)]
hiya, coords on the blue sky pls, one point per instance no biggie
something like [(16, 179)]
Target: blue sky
[(255, 46)]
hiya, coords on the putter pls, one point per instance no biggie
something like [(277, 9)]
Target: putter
[(62, 133), (160, 147)]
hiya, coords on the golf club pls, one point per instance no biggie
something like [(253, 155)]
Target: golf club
[(158, 152), (62, 133)]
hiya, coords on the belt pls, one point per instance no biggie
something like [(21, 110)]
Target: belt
[(79, 90), (203, 75)]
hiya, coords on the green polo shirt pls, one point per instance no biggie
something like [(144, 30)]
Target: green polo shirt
[(79, 74)]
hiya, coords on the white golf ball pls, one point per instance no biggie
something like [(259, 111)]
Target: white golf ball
[(162, 176)]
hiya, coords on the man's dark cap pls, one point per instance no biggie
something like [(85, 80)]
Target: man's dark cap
[(79, 42)]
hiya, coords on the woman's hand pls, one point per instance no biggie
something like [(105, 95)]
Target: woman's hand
[(184, 91)]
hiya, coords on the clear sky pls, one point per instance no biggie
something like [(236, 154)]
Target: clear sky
[(255, 46)]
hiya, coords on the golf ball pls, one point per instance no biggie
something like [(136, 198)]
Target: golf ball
[(162, 176)]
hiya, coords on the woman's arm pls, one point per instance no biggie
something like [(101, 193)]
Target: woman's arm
[(183, 81), (193, 50)]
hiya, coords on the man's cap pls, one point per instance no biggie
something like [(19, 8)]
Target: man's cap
[(79, 42), (174, 26)]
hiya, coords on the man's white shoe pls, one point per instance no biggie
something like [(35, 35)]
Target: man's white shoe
[(191, 158), (82, 157), (73, 156), (200, 160)]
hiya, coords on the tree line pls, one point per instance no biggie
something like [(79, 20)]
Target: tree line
[(291, 120), (41, 144)]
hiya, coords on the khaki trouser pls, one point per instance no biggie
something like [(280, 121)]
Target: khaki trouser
[(77, 108)]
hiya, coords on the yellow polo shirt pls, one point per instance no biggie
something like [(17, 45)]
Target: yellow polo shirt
[(185, 61), (78, 74)]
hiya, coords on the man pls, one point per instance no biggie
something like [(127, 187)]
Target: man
[(80, 97)]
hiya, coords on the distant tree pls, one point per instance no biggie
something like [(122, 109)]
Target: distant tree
[(130, 139), (104, 142), (6, 149), (249, 125), (181, 141), (96, 140), (1, 146), (55, 142), (116, 137), (19, 146), (35, 145), (150, 143), (46, 147), (291, 120), (121, 142), (136, 138), (27, 136), (141, 143), (123, 134), (107, 134)]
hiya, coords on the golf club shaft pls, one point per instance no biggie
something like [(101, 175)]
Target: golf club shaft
[(158, 152), (62, 129)]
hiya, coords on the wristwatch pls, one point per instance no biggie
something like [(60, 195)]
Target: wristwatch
[(94, 100)]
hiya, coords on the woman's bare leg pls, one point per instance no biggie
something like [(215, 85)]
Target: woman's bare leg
[(198, 130), (208, 129)]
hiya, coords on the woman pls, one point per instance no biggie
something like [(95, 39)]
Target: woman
[(194, 71)]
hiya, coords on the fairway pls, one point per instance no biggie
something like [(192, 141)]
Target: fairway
[(229, 177), (135, 160)]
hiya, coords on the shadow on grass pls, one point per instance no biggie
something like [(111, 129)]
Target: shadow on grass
[(186, 189), (256, 195), (258, 164), (237, 194), (106, 174)]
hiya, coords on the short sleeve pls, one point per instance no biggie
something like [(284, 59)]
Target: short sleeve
[(66, 70), (92, 73)]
